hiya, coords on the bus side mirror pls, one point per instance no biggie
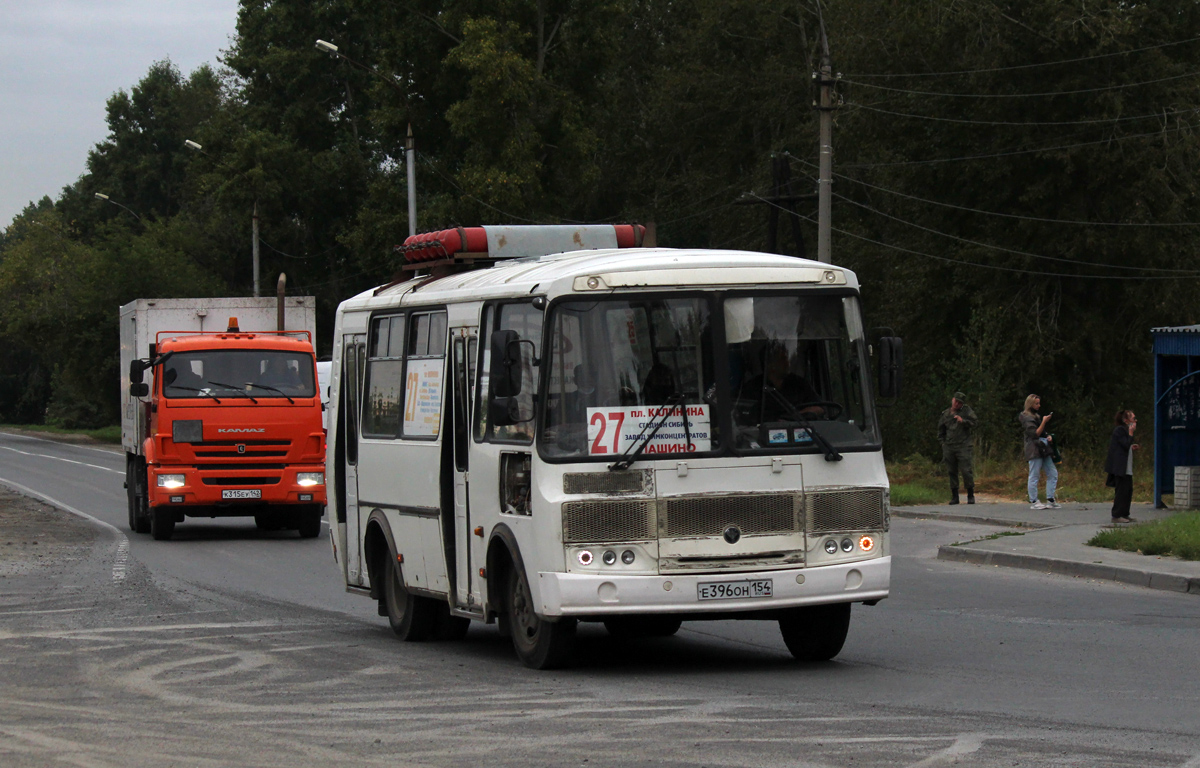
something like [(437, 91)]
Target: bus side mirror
[(504, 411), (891, 366), (505, 370)]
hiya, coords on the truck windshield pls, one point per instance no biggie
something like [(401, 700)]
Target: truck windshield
[(257, 373), (795, 362)]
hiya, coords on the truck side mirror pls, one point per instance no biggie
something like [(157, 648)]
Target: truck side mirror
[(891, 366), (140, 389), (137, 368), (505, 369)]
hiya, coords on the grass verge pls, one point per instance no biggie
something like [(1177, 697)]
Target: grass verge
[(104, 434), (918, 480), (1178, 535)]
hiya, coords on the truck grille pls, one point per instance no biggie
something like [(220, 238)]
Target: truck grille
[(854, 510), (608, 521), (240, 480), (753, 513)]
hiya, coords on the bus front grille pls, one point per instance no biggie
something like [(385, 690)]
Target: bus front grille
[(752, 513), (849, 510), (607, 521)]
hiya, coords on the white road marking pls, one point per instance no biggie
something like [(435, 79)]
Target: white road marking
[(60, 458), (59, 442), (121, 558), (965, 744)]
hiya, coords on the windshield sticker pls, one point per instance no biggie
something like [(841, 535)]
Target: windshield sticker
[(613, 430), (802, 436), (777, 436)]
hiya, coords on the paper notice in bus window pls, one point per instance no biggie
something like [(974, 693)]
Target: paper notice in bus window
[(423, 398), (613, 430)]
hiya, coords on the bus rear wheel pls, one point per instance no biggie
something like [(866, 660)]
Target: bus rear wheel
[(816, 633), (540, 644), (411, 617)]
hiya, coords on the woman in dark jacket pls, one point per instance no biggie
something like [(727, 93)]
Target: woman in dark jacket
[(1119, 464)]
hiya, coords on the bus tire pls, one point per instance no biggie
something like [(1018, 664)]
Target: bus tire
[(636, 627), (816, 633), (411, 617), (540, 644), (162, 523)]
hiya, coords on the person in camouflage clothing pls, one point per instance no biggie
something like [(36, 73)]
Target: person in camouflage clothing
[(955, 429)]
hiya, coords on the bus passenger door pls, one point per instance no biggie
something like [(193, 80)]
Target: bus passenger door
[(462, 356), (353, 364)]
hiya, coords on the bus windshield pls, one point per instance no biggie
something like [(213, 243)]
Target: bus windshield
[(623, 368), (256, 373)]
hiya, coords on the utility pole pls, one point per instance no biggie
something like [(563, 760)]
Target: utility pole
[(826, 81), (410, 160), (254, 248)]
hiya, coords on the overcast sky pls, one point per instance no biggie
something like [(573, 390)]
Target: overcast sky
[(60, 60)]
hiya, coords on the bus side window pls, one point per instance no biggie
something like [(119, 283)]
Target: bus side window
[(527, 322), (425, 365), (384, 378)]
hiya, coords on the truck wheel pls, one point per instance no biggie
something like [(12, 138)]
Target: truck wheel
[(162, 523), (141, 490), (816, 633), (540, 644), (411, 618), (131, 495), (310, 524), (635, 627)]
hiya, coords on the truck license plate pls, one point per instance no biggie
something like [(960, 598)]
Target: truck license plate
[(732, 590), (240, 493)]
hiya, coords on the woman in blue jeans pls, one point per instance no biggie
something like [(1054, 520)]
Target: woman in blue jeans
[(1033, 424)]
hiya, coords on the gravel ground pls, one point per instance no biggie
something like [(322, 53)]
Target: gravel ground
[(34, 535)]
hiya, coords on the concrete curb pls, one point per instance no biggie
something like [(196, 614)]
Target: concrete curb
[(953, 518), (1098, 571)]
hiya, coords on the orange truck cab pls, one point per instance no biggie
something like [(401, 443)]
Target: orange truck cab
[(231, 426)]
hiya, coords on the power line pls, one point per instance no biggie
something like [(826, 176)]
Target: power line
[(1002, 249), (1012, 153), (997, 267), (1107, 120), (1019, 95), (1032, 66), (1018, 216)]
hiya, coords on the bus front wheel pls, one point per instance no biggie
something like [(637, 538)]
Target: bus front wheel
[(816, 633), (540, 644), (410, 617)]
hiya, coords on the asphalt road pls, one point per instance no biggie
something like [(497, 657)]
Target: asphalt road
[(232, 647)]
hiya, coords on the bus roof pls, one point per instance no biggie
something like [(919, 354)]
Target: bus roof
[(598, 272)]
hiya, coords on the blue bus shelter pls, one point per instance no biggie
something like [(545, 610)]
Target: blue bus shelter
[(1176, 404)]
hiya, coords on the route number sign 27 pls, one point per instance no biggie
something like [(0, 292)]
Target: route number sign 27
[(613, 430)]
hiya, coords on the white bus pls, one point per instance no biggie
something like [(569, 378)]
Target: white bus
[(545, 426)]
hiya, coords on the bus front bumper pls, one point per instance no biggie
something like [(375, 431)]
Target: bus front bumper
[(572, 594)]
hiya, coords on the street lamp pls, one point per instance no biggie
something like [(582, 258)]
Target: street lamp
[(254, 229), (107, 199), (410, 149)]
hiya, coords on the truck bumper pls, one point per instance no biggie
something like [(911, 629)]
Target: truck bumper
[(570, 594), (196, 492)]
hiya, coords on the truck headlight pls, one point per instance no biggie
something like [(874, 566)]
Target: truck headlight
[(310, 478), (170, 481)]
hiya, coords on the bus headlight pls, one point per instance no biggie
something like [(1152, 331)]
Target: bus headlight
[(831, 547), (170, 481), (310, 478)]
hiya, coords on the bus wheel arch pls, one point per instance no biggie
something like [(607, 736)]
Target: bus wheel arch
[(540, 643)]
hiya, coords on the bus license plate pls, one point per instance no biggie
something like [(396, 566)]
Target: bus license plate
[(733, 590), (242, 494)]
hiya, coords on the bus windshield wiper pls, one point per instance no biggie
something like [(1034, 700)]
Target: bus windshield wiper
[(204, 392), (234, 388), (271, 389), (831, 453), (639, 443)]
